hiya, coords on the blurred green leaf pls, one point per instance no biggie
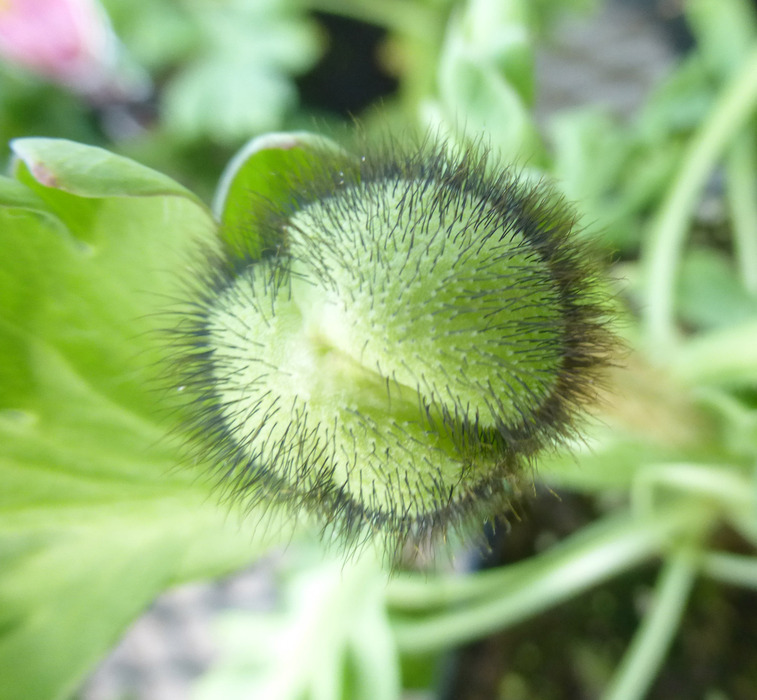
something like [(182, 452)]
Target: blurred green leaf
[(157, 32), (28, 105), (239, 82), (710, 294), (95, 517), (88, 171), (227, 101), (678, 104), (266, 33), (485, 78), (722, 357), (499, 32), (589, 151), (330, 641), (15, 195), (546, 12)]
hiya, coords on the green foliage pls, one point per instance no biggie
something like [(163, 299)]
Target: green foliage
[(220, 72), (331, 639), (239, 82), (486, 74), (96, 519)]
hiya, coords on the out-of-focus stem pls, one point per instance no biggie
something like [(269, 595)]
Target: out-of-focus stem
[(650, 644), (741, 172), (595, 555), (662, 252)]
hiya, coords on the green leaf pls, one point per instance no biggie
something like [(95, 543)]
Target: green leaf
[(226, 100), (267, 166), (74, 577), (709, 291), (645, 418), (499, 32), (240, 83), (679, 104), (612, 458), (158, 34), (725, 356), (589, 152), (14, 195), (267, 34), (98, 510), (490, 105), (93, 290), (88, 171), (485, 77), (331, 641)]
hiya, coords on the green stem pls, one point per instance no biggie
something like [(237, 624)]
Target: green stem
[(725, 357), (745, 522), (650, 644), (600, 552), (720, 483), (732, 569), (741, 177), (662, 252)]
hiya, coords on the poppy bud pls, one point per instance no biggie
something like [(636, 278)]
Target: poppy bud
[(391, 339)]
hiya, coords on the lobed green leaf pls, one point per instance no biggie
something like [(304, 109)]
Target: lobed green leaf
[(95, 517)]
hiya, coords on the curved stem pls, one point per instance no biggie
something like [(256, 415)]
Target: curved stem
[(650, 644), (607, 549), (732, 569), (722, 357), (716, 482), (662, 252), (741, 179)]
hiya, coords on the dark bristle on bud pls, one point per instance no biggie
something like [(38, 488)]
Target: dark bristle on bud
[(391, 344)]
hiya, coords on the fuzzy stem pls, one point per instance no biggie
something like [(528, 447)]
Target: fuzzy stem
[(741, 172), (598, 553), (662, 252), (650, 644)]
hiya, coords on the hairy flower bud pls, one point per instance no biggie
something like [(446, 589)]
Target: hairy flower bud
[(390, 342)]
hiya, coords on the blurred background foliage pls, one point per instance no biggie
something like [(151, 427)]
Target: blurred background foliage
[(197, 78)]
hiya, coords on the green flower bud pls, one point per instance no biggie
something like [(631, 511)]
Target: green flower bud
[(387, 341)]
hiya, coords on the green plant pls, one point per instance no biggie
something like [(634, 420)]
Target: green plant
[(95, 518), (386, 339)]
